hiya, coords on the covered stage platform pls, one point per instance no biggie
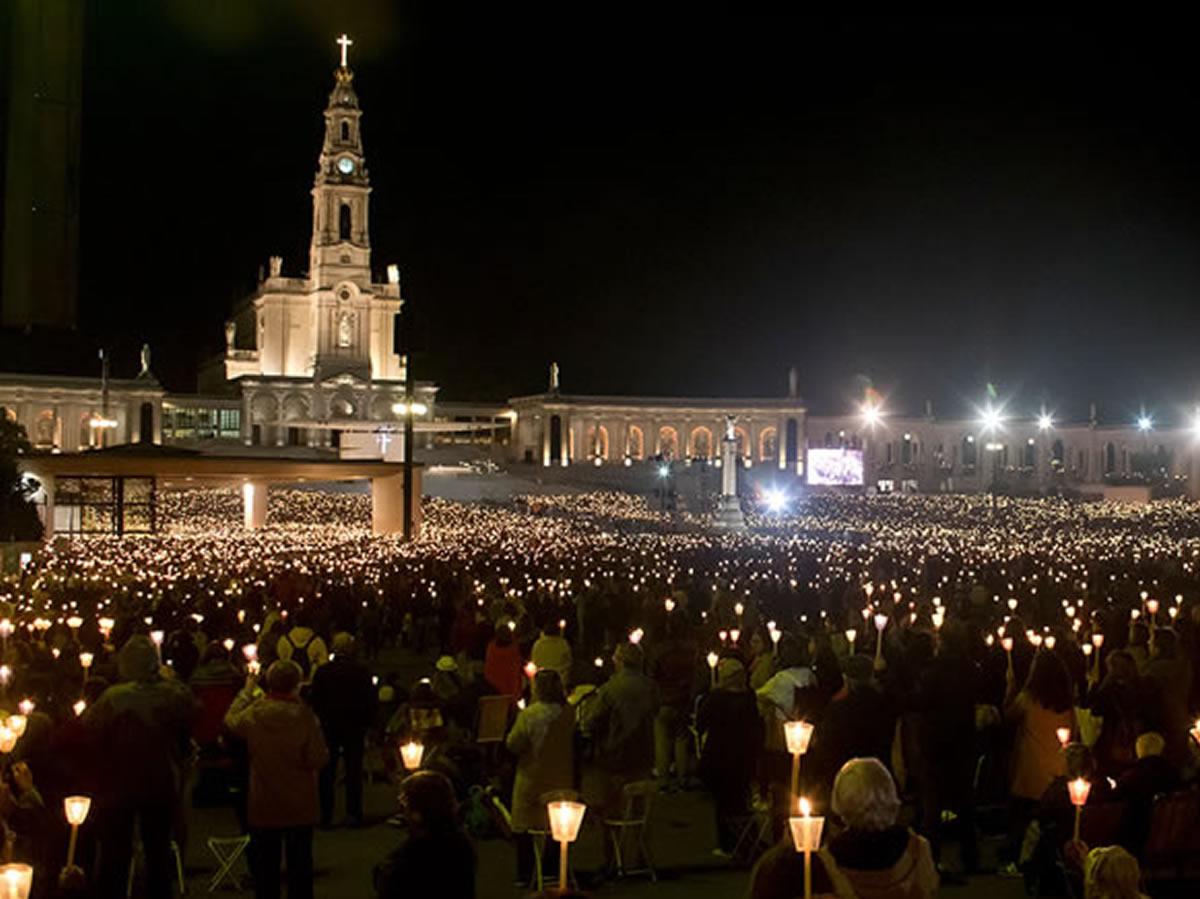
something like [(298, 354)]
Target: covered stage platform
[(115, 491)]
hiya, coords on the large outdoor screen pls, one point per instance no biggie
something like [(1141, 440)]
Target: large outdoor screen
[(835, 467)]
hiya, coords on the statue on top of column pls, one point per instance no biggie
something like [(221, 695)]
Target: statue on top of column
[(730, 432), (554, 377)]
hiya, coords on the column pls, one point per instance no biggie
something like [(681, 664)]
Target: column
[(544, 421), (387, 503), (254, 504), (247, 424), (47, 511)]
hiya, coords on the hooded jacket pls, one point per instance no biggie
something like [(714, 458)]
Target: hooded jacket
[(287, 750), (140, 728)]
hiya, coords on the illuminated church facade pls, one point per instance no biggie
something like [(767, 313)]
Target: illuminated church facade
[(309, 354)]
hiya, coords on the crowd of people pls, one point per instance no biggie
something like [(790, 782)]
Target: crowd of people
[(961, 665)]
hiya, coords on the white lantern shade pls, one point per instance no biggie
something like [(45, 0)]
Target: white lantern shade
[(565, 820), (1079, 790), (806, 832), (7, 739), (411, 753), (16, 880), (85, 659), (17, 724), (797, 734), (76, 809)]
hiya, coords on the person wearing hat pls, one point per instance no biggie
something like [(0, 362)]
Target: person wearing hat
[(343, 697), (543, 740), (731, 735), (287, 750)]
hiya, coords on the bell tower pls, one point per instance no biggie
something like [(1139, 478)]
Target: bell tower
[(341, 246)]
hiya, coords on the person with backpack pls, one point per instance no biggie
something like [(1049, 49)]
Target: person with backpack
[(287, 750), (304, 646)]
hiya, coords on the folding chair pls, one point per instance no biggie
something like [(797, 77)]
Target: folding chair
[(133, 862), (634, 823), (227, 850)]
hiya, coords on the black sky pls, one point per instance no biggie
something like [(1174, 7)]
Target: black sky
[(680, 205)]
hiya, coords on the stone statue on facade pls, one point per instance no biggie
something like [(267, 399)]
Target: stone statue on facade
[(230, 335), (145, 355), (730, 431), (276, 263), (554, 377)]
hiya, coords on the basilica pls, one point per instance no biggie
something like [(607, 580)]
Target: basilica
[(313, 371)]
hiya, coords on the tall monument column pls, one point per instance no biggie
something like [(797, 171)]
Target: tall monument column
[(729, 512)]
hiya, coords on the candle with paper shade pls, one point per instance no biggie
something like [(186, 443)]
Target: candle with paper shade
[(851, 633), (79, 707), (26, 707), (1078, 790), (566, 817), (734, 635), (85, 662), (16, 880), (1064, 736), (797, 735), (8, 740), (881, 622), (776, 635), (157, 638), (76, 808), (806, 837), (17, 724), (411, 754), (712, 658)]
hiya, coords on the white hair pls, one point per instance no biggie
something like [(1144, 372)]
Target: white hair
[(864, 795)]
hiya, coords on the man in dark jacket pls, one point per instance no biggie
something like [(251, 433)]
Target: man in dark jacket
[(858, 723), (343, 697), (140, 731), (618, 721), (674, 670), (945, 706)]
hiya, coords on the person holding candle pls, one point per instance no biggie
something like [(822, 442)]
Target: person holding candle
[(1055, 814), (437, 858), (552, 651), (543, 740), (502, 666), (1037, 710), (731, 736), (287, 750), (776, 705), (617, 721), (870, 856), (1120, 701), (140, 729), (674, 667), (343, 698), (1168, 678)]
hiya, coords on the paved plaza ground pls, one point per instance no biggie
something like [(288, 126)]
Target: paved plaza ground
[(682, 838)]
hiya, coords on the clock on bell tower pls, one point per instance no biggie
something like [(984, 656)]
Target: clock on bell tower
[(341, 246)]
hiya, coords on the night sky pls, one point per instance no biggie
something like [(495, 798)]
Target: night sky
[(679, 206)]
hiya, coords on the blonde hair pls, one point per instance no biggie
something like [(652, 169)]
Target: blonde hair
[(1110, 872), (864, 795)]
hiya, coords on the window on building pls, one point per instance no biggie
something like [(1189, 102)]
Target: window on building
[(344, 221), (345, 132)]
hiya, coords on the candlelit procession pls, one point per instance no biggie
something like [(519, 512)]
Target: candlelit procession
[(331, 582)]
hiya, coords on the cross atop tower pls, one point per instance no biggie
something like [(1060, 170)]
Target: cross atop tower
[(345, 43)]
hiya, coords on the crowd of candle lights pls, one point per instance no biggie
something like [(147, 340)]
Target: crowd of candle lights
[(1050, 572)]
